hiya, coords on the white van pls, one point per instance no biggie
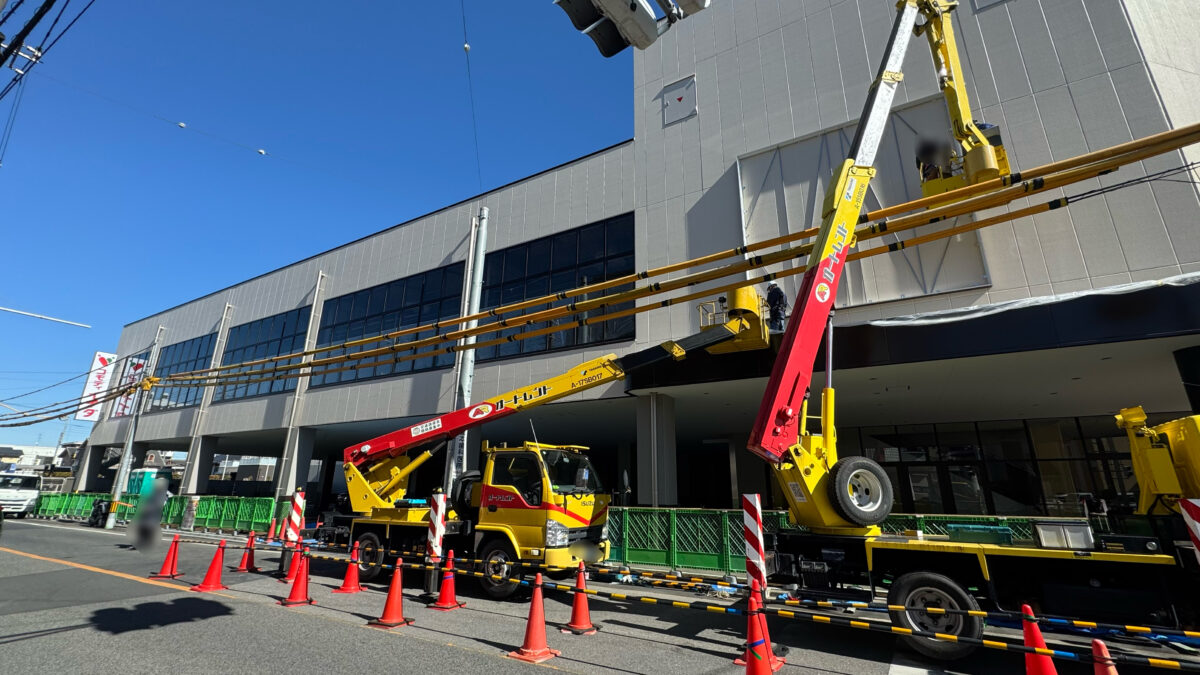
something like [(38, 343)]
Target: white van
[(19, 493)]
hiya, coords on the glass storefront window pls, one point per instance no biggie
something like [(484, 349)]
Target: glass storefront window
[(957, 442), (1004, 440), (967, 489), (880, 444), (1056, 439), (926, 489), (1014, 488), (917, 442)]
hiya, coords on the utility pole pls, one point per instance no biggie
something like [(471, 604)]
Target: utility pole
[(127, 454), (456, 458), (19, 39)]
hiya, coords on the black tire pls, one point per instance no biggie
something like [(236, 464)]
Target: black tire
[(371, 555), (22, 515), (860, 490), (498, 556), (927, 589)]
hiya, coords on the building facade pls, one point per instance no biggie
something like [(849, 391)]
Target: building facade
[(1005, 408)]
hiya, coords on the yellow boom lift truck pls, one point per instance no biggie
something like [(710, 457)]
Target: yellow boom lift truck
[(534, 503), (841, 503)]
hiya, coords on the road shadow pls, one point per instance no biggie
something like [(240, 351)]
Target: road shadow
[(117, 620)]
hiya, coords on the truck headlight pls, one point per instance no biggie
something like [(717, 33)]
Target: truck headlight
[(604, 532), (556, 534)]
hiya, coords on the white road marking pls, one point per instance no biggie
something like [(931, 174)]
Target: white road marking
[(90, 530)]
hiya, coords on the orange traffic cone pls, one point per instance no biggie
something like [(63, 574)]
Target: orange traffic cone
[(247, 564), (581, 618), (350, 583), (535, 649), (271, 532), (212, 580), (759, 656), (1035, 664), (393, 608), (170, 566), (1102, 662), (299, 594), (294, 567), (447, 599)]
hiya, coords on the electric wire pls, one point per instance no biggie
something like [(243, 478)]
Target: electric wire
[(43, 50), (6, 136), (54, 23), (784, 255), (1014, 186), (205, 378), (471, 93), (307, 368), (68, 380), (11, 10)]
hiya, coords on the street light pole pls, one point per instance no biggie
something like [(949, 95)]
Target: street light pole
[(127, 454)]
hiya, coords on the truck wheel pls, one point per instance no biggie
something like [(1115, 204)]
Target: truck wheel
[(498, 559), (926, 589), (370, 550), (860, 491)]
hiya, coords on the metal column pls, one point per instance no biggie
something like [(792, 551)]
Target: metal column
[(456, 457)]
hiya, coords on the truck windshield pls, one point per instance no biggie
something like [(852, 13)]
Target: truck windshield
[(563, 468), (18, 482)]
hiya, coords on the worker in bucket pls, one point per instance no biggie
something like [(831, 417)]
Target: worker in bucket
[(777, 304), (149, 515)]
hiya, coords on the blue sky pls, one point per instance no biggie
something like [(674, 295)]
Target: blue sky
[(110, 214)]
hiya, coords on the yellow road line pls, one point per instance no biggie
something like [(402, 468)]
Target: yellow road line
[(101, 570)]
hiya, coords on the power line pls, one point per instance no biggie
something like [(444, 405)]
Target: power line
[(11, 121), (471, 93), (11, 10)]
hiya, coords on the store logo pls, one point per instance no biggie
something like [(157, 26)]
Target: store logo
[(822, 292), (480, 411)]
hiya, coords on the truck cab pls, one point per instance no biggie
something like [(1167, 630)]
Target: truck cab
[(534, 503), (537, 502), (19, 493)]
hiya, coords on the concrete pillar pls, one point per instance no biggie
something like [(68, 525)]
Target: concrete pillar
[(1187, 360), (139, 455), (201, 452), (657, 484), (292, 471), (90, 464)]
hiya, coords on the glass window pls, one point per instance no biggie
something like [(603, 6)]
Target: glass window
[(1005, 440), (175, 359), (132, 371), (264, 339), (880, 444), (957, 442), (587, 255), (917, 442), (520, 470), (404, 303)]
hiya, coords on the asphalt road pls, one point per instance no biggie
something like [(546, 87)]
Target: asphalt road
[(76, 599)]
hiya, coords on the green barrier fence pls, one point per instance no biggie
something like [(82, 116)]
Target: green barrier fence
[(240, 514), (711, 539)]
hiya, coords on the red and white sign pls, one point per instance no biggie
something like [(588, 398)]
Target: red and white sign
[(756, 567), (135, 369), (98, 378), (437, 526), (296, 519)]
